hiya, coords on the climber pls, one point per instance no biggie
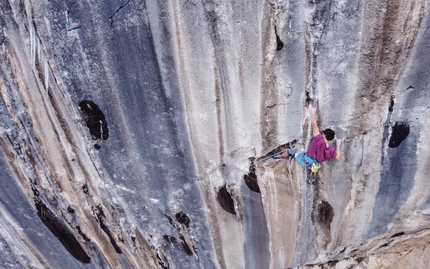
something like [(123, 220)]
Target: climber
[(319, 150)]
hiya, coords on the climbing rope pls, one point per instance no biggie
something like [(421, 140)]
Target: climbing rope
[(252, 164), (268, 157)]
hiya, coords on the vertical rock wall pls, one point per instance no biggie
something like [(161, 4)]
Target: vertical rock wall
[(128, 128)]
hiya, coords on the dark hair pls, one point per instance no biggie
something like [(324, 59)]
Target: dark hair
[(329, 134)]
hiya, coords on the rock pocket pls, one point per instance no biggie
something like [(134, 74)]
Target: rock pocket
[(95, 118)]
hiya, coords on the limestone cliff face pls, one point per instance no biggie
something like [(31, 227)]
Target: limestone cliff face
[(128, 129)]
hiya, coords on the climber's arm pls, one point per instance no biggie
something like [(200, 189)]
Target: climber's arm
[(315, 129)]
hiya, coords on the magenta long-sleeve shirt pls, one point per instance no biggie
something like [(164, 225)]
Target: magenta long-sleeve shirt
[(319, 151)]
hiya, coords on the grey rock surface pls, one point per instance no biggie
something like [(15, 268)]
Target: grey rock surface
[(128, 129)]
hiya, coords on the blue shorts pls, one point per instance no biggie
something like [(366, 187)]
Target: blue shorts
[(305, 160)]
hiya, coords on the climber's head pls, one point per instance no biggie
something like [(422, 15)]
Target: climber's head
[(329, 134)]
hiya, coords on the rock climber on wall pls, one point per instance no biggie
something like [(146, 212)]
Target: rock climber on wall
[(319, 150)]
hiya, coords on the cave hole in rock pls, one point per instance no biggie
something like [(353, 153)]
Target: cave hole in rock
[(181, 217), (397, 234), (70, 210), (332, 263), (225, 200), (97, 146), (251, 180), (85, 188), (400, 132), (170, 239), (60, 230), (325, 214), (95, 119)]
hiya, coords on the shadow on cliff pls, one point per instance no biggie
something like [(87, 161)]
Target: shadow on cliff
[(64, 235)]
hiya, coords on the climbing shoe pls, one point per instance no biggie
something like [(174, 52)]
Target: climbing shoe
[(291, 152), (312, 179), (312, 182)]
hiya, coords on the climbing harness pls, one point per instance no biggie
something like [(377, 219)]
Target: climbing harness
[(315, 167), (310, 163), (251, 165)]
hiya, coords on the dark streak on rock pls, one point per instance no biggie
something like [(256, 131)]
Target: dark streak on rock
[(308, 99), (185, 247), (279, 43), (386, 244), (84, 236), (225, 200), (100, 217), (2, 37), (183, 244), (170, 220), (391, 107), (67, 239), (397, 234), (224, 170), (162, 262), (116, 12), (35, 191), (332, 263)]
